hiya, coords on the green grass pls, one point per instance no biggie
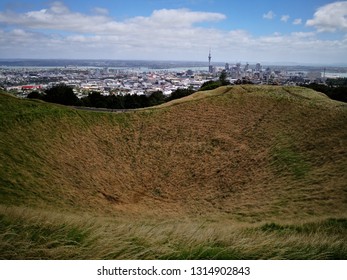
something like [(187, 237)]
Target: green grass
[(286, 159)]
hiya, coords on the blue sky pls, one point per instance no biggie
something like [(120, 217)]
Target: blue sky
[(309, 31)]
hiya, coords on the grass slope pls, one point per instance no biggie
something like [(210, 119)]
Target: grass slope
[(239, 172)]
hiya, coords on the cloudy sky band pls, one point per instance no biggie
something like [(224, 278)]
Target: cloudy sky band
[(57, 31)]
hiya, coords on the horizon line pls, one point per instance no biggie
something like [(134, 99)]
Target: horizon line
[(275, 63)]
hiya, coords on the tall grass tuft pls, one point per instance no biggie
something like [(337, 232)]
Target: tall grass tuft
[(36, 234)]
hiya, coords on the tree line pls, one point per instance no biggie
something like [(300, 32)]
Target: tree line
[(334, 88), (64, 95)]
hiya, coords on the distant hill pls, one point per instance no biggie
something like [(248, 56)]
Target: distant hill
[(268, 158)]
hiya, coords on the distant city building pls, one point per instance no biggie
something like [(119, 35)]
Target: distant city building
[(190, 72), (314, 76)]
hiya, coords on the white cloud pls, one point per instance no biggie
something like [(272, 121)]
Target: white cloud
[(59, 17), (269, 15), (181, 17), (302, 47), (297, 21), (303, 34), (59, 8), (56, 17), (285, 18), (330, 18)]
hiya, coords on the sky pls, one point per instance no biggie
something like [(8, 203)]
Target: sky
[(265, 31)]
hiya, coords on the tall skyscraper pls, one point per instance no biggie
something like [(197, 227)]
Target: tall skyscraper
[(210, 68)]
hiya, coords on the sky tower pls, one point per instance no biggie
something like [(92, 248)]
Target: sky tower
[(209, 62)]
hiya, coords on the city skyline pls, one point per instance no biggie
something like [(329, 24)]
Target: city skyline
[(304, 32)]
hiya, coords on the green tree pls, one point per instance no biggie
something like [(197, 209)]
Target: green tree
[(223, 78), (180, 92), (209, 85), (61, 94), (156, 98), (35, 95), (95, 99)]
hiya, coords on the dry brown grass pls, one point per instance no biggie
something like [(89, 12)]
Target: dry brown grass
[(27, 233), (223, 152)]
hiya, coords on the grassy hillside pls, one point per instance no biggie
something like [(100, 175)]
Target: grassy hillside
[(238, 172)]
